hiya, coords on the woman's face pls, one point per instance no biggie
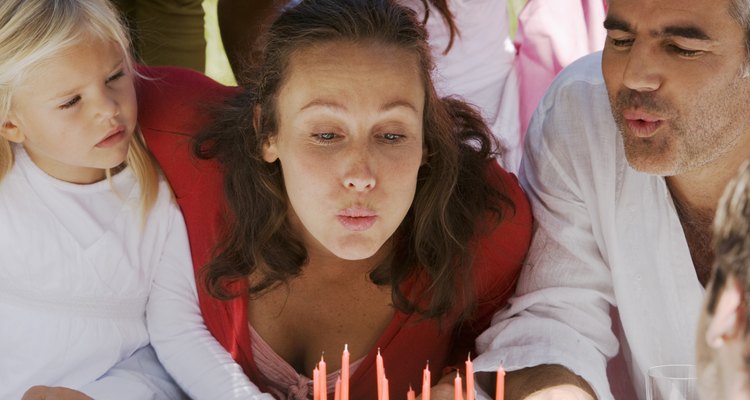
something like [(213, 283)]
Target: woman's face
[(350, 144)]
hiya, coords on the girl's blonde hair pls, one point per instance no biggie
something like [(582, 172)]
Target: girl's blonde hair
[(32, 31)]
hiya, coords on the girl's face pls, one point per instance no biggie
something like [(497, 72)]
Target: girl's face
[(75, 113), (350, 144)]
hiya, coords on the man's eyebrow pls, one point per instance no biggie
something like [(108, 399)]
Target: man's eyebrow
[(685, 31), (613, 23)]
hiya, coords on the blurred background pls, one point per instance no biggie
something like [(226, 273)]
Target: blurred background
[(217, 65)]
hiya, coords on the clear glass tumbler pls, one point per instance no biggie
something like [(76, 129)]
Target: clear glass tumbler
[(672, 382)]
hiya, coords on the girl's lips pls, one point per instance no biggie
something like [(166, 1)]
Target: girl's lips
[(113, 137)]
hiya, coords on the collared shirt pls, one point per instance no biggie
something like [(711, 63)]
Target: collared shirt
[(606, 235)]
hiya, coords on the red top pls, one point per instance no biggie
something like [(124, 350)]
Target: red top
[(172, 108)]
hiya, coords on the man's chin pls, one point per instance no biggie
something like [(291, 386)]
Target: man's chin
[(650, 165)]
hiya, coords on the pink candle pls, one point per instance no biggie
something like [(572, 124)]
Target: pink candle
[(385, 388), (469, 379), (426, 383), (410, 395), (323, 379), (500, 386), (316, 383), (345, 373), (337, 389), (380, 369), (458, 393)]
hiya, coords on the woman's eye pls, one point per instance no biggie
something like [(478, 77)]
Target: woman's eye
[(324, 137), (392, 137), (70, 103)]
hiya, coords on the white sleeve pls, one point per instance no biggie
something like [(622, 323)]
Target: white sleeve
[(138, 377), (560, 313), (194, 358)]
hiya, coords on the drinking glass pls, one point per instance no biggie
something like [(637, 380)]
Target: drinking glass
[(672, 382)]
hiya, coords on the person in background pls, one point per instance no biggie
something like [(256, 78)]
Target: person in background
[(357, 207), (241, 25), (625, 161), (167, 32), (723, 345), (551, 35)]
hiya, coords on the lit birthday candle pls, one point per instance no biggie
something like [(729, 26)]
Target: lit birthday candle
[(469, 379), (316, 383), (380, 374), (500, 385), (323, 374), (410, 395), (426, 382), (337, 389), (458, 393), (345, 373)]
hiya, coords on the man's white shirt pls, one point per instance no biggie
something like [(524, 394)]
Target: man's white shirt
[(605, 235)]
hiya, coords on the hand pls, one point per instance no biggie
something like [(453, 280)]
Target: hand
[(445, 389), (441, 391), (544, 382), (561, 392), (53, 393)]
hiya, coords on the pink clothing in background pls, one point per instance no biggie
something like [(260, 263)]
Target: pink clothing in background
[(552, 34)]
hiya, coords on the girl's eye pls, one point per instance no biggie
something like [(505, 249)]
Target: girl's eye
[(116, 76), (70, 103)]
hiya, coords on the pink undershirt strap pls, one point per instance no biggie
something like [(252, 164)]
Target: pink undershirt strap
[(281, 379)]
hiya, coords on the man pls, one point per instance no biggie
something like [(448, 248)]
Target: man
[(626, 159), (723, 344)]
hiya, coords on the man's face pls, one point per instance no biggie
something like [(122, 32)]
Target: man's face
[(673, 70)]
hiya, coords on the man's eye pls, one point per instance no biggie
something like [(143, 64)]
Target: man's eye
[(621, 42), (684, 52)]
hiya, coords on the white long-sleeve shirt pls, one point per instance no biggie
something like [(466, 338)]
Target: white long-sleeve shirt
[(78, 274), (605, 235)]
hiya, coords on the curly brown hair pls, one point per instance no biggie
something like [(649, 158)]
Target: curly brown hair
[(453, 199)]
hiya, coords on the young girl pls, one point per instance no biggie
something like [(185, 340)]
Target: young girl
[(91, 242)]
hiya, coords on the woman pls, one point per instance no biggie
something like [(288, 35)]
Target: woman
[(361, 209)]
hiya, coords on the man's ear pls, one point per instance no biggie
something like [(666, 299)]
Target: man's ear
[(728, 320), (270, 153), (10, 131)]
